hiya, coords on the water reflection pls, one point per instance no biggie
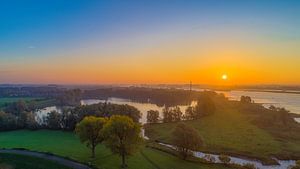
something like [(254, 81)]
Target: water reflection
[(41, 114), (142, 107), (289, 101)]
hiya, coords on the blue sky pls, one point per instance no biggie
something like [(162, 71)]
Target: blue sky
[(43, 30)]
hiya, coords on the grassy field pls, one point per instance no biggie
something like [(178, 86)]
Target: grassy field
[(67, 144), (7, 100), (40, 102), (231, 132), (13, 161)]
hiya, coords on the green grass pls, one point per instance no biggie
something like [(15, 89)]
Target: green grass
[(7, 100), (26, 162), (40, 102), (67, 144), (227, 131)]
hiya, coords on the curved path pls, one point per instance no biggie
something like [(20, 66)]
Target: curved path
[(60, 160)]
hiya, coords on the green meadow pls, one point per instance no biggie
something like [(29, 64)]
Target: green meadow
[(231, 132), (15, 161), (7, 100), (39, 102), (66, 144)]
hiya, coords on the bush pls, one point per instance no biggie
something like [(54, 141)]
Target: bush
[(185, 139), (224, 159), (152, 116)]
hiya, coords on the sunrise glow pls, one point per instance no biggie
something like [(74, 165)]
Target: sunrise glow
[(113, 43)]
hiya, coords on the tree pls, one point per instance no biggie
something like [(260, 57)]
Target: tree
[(176, 114), (27, 120), (89, 131), (107, 110), (122, 136), (205, 106), (190, 113), (246, 99), (224, 159), (185, 139), (152, 116), (71, 97), (68, 119), (8, 121), (284, 116), (53, 120), (167, 115), (30, 122), (16, 107), (32, 105)]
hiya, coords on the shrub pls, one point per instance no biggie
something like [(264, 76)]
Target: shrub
[(185, 139), (224, 159)]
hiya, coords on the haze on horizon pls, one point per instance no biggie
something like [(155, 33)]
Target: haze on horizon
[(93, 42)]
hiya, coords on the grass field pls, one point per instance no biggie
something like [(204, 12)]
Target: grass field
[(13, 161), (231, 132), (40, 102), (7, 100), (67, 144)]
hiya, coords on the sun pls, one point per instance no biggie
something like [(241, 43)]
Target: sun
[(224, 77)]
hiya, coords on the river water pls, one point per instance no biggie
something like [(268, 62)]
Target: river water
[(283, 164), (287, 100), (142, 107), (41, 114)]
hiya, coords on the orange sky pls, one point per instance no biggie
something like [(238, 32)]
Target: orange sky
[(171, 61), (98, 42)]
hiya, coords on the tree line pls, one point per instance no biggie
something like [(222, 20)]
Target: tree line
[(22, 118), (204, 107), (160, 97)]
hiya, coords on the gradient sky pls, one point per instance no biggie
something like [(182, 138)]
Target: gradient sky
[(163, 41)]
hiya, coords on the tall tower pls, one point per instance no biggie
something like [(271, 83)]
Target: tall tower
[(190, 86)]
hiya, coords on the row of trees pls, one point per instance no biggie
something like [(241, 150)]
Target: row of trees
[(119, 133), (70, 97), (161, 97), (67, 119), (10, 121), (205, 106), (20, 106)]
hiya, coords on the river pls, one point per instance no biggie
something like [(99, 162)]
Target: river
[(287, 100), (142, 107)]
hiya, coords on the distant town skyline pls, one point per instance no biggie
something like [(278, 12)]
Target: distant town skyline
[(216, 42)]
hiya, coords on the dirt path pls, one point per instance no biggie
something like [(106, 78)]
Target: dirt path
[(57, 159)]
